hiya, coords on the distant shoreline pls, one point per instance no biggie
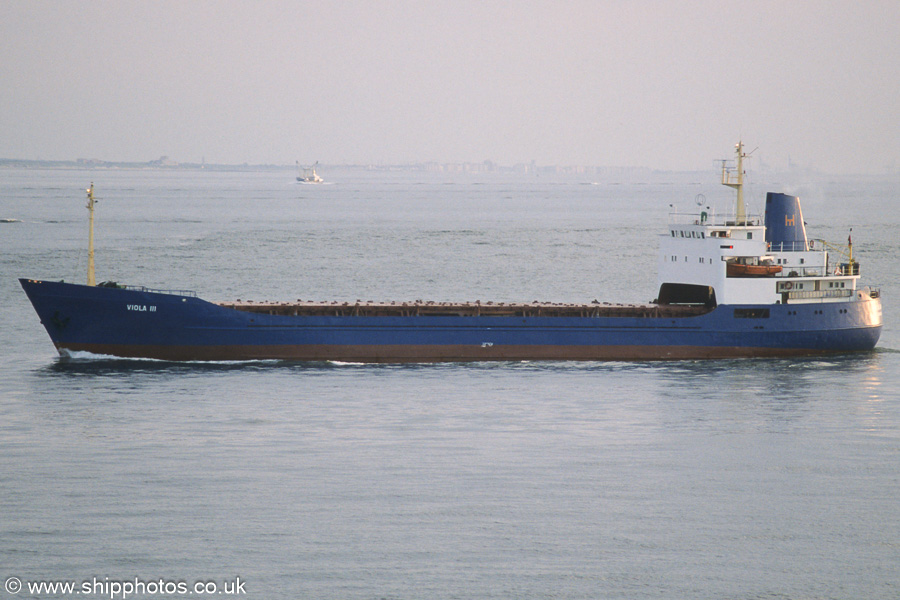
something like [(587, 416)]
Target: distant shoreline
[(166, 164), (154, 165), (476, 168)]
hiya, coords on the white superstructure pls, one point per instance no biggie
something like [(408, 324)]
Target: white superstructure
[(732, 260)]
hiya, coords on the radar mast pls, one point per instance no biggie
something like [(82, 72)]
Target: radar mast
[(734, 178)]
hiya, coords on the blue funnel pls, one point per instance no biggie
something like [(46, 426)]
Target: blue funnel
[(785, 230)]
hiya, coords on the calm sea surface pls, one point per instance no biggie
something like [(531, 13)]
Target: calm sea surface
[(720, 479)]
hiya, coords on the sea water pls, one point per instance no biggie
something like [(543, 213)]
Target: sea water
[(691, 479)]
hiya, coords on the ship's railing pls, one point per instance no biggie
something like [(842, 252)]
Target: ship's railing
[(140, 288), (789, 247), (802, 272), (693, 218), (844, 270), (710, 218), (819, 294)]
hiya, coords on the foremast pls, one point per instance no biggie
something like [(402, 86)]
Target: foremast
[(90, 207)]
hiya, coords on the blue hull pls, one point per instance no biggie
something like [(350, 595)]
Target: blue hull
[(147, 324)]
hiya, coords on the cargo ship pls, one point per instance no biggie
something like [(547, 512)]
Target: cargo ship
[(729, 287)]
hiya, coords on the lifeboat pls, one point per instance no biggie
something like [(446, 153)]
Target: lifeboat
[(737, 269)]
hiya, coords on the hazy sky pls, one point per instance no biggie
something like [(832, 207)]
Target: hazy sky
[(662, 84)]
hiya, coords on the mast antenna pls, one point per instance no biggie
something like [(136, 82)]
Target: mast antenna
[(734, 178), (90, 207)]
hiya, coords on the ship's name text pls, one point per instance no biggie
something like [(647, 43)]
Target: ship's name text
[(140, 307)]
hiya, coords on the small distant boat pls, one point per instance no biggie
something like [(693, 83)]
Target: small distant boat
[(308, 174)]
